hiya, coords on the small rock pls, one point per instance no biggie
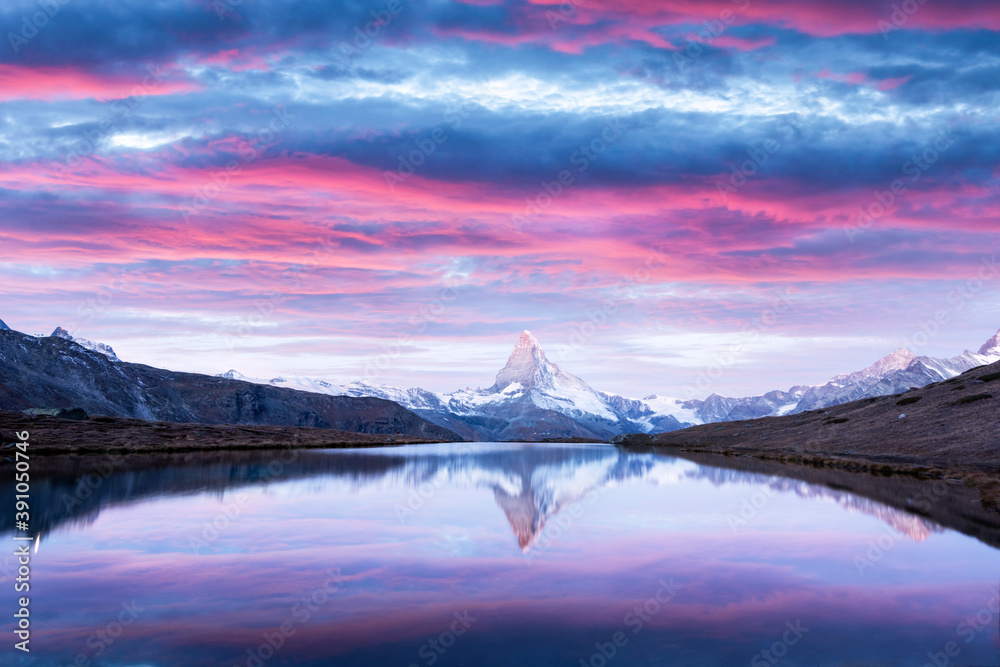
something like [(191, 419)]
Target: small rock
[(76, 414), (902, 415)]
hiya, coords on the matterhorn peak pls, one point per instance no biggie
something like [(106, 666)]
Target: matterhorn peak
[(991, 348), (528, 340), (527, 364)]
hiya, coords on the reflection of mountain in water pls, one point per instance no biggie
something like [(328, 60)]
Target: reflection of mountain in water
[(531, 484), (914, 527), (548, 489)]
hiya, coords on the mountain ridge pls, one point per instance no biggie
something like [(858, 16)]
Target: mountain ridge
[(533, 398), (41, 372)]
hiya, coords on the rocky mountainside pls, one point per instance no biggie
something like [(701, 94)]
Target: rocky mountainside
[(55, 372), (89, 344)]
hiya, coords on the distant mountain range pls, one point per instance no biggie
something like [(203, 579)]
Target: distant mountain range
[(533, 398), (56, 371)]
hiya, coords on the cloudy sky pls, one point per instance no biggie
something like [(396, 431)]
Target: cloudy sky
[(394, 189)]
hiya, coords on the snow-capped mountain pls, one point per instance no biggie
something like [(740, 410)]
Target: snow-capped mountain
[(888, 364), (892, 374), (89, 344), (533, 398), (991, 348)]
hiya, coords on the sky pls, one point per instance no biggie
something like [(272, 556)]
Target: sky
[(763, 192)]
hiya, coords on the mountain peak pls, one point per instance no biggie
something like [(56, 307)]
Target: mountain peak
[(528, 340), (527, 364), (901, 357), (894, 361), (106, 350), (4, 327), (991, 348)]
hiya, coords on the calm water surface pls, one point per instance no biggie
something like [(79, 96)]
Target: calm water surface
[(494, 554)]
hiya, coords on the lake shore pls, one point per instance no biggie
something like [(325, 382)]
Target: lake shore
[(112, 435), (948, 429)]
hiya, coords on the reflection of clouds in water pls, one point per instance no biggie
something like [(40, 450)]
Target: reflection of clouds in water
[(661, 520)]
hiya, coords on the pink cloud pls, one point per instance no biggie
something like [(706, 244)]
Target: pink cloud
[(55, 83)]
